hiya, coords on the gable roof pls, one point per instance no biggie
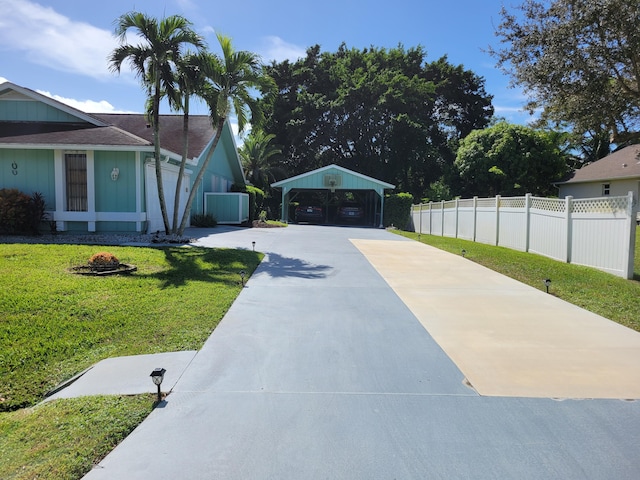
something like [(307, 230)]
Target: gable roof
[(331, 168), (624, 163), (99, 129), (200, 130)]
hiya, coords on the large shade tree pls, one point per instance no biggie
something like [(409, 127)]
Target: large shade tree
[(232, 84), (384, 113), (579, 62), (508, 159), (161, 43)]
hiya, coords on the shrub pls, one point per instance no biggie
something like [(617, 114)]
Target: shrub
[(101, 259), (397, 210), (21, 213), (203, 221)]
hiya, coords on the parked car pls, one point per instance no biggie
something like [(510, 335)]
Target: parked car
[(350, 212), (309, 213)]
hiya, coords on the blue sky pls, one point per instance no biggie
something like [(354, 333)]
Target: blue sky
[(59, 47)]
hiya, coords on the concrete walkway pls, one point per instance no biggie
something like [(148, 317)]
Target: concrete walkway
[(326, 367)]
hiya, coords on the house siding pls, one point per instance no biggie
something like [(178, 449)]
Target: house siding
[(34, 172), (119, 195), (32, 111), (594, 189)]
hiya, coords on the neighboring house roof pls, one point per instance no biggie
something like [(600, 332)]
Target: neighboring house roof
[(622, 164)]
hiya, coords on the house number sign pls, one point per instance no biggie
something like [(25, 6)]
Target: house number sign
[(14, 168)]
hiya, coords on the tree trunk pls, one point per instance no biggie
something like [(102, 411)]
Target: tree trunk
[(183, 163), (200, 176), (156, 144)]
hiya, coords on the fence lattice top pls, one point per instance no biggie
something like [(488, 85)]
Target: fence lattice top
[(548, 204)]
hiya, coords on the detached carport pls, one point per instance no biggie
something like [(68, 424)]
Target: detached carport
[(327, 183)]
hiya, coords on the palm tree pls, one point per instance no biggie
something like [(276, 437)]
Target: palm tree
[(256, 154), (154, 61), (190, 81), (231, 80)]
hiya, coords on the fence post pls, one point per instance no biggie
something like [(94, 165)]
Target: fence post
[(475, 214), (568, 206), (527, 214), (442, 218), (457, 207), (430, 217), (631, 237), (497, 220)]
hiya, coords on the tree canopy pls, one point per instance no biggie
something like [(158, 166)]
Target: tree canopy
[(509, 159), (384, 113), (578, 61)]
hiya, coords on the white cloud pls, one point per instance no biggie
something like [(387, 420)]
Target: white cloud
[(2, 80), (87, 106), (51, 39), (279, 50)]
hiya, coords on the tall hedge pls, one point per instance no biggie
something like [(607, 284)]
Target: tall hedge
[(397, 210)]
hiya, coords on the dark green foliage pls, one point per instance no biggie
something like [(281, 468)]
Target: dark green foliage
[(397, 210), (510, 160), (577, 61), (384, 113), (21, 213), (203, 220)]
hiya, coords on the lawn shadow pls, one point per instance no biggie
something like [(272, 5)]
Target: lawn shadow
[(278, 266), (219, 265)]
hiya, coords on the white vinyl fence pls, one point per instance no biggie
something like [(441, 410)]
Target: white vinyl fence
[(596, 232)]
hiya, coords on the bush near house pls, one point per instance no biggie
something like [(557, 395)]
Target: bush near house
[(21, 213), (397, 210)]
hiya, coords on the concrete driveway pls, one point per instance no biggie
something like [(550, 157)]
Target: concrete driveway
[(324, 369)]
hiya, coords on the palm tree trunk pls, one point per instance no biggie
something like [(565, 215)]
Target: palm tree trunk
[(200, 176), (156, 143), (183, 163)]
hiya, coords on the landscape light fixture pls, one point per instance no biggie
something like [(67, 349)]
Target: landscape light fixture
[(464, 253), (547, 283), (242, 274), (253, 244), (157, 376)]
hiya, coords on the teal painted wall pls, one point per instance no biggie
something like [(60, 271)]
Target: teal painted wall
[(32, 111), (229, 208), (34, 172), (349, 182), (223, 164), (118, 196)]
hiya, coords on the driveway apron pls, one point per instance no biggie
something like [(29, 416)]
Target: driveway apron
[(320, 371)]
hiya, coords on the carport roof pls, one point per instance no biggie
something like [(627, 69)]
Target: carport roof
[(349, 180)]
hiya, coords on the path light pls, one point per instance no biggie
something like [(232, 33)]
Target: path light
[(242, 274), (157, 376), (464, 253), (254, 245), (547, 283)]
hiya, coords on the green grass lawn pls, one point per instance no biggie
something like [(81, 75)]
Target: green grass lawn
[(612, 297), (55, 324)]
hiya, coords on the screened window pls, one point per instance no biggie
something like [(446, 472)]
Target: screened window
[(76, 176)]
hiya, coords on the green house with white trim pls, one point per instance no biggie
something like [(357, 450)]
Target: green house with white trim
[(97, 171), (330, 186)]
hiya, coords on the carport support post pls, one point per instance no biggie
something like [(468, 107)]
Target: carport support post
[(285, 205)]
